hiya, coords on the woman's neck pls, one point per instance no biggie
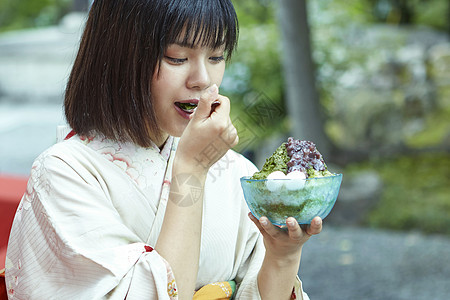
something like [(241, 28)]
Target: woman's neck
[(161, 141)]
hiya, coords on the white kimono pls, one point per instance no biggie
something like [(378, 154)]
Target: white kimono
[(93, 210)]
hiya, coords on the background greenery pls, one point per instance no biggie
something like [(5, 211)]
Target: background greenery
[(17, 14), (416, 194)]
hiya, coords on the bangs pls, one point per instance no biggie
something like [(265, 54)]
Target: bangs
[(211, 23)]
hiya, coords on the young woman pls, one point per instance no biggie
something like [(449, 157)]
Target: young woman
[(131, 205)]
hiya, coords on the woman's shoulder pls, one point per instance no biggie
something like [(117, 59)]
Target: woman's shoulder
[(69, 153), (65, 148)]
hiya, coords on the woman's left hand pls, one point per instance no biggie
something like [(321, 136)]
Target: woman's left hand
[(286, 242)]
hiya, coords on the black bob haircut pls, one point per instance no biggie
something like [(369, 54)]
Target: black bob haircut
[(108, 90)]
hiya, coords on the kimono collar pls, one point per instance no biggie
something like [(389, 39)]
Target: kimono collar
[(166, 148)]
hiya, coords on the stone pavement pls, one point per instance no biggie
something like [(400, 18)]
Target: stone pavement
[(347, 263)]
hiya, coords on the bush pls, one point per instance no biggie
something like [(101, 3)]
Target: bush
[(416, 193), (18, 14)]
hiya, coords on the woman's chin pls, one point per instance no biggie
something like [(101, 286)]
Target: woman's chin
[(176, 132)]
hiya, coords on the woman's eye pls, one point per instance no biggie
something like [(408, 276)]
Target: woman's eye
[(176, 61), (217, 59)]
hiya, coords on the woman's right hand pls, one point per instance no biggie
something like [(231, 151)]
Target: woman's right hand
[(207, 137), (209, 134)]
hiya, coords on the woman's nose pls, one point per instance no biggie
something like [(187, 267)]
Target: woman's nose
[(199, 77)]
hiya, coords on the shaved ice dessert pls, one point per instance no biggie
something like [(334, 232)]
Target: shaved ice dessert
[(295, 155), (293, 182)]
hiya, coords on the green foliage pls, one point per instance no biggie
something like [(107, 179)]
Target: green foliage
[(415, 194), (255, 12), (435, 130), (18, 14), (339, 13), (432, 13)]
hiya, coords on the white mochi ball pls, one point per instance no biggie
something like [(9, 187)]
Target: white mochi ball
[(297, 180), (275, 185)]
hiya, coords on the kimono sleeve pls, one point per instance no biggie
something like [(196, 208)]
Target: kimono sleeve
[(69, 242)]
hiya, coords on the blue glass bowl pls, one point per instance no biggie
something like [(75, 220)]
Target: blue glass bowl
[(303, 199)]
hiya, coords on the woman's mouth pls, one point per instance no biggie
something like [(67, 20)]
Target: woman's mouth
[(187, 107)]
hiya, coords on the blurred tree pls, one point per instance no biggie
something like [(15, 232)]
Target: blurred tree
[(302, 99)]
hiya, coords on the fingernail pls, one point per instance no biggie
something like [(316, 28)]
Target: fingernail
[(290, 222), (317, 222), (264, 222), (212, 89)]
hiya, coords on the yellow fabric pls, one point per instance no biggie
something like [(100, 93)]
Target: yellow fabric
[(214, 291)]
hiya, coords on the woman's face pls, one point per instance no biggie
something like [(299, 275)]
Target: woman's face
[(184, 74)]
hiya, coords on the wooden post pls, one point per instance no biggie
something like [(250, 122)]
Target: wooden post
[(302, 98)]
